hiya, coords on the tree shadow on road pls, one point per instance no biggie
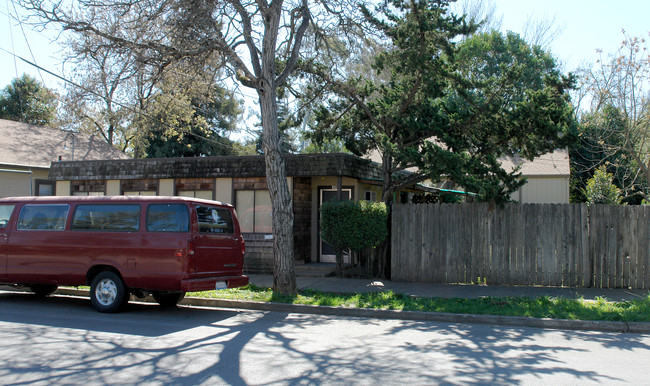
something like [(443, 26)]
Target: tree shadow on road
[(71, 343)]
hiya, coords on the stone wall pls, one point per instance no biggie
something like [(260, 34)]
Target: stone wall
[(194, 184), (302, 218), (259, 253)]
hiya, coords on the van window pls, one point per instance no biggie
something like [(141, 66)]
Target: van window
[(168, 218), (43, 217), (107, 217), (214, 220), (5, 214)]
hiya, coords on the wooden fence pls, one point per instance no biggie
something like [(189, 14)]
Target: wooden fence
[(602, 246)]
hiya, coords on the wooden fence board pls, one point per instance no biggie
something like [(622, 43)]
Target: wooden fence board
[(557, 245), (642, 245)]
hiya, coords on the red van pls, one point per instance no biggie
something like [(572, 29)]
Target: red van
[(120, 245)]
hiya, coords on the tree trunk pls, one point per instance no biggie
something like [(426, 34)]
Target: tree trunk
[(384, 257), (284, 278)]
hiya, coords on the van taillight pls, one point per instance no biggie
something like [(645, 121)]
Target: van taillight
[(243, 246), (190, 248)]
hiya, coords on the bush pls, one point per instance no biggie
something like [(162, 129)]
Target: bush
[(601, 190), (353, 225)]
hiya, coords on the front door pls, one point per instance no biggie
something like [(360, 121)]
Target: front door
[(327, 251)]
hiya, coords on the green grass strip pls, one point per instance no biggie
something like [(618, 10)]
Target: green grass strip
[(542, 307)]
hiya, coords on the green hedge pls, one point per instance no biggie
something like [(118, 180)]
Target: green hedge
[(354, 225)]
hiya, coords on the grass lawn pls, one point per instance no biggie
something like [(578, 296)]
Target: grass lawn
[(542, 307)]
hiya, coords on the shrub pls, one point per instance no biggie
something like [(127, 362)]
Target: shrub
[(601, 190), (353, 225)]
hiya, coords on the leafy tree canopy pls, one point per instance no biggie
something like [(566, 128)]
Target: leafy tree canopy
[(449, 110), (27, 100), (602, 143), (189, 124)]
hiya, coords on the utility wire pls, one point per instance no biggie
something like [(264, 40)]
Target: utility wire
[(13, 48), (29, 47)]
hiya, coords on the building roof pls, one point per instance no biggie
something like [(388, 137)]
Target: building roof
[(297, 165), (37, 146), (551, 164)]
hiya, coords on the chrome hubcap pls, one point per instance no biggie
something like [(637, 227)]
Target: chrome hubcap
[(106, 292)]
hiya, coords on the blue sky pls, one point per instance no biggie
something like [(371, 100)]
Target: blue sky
[(586, 25)]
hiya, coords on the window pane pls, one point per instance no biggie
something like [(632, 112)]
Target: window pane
[(204, 194), (115, 218), (43, 217), (5, 214), (45, 190), (263, 221), (214, 220), (168, 218), (245, 211)]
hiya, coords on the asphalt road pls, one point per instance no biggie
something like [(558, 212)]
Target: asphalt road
[(62, 340)]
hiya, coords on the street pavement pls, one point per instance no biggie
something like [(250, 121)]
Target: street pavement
[(61, 340)]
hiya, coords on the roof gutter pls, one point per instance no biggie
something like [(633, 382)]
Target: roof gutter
[(16, 171)]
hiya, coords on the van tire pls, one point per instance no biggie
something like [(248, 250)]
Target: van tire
[(42, 290), (108, 292), (168, 299)]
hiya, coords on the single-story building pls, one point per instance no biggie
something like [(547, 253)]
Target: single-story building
[(547, 178), (26, 152), (240, 180)]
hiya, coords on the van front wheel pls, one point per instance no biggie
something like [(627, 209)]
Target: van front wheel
[(108, 292)]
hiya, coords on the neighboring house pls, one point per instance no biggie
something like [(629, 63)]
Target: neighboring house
[(26, 152), (240, 180), (547, 178)]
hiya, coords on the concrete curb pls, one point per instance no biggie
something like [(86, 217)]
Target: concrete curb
[(512, 321)]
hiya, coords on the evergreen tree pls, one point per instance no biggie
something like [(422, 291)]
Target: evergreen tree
[(27, 100)]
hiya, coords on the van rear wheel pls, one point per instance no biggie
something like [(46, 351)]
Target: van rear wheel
[(42, 290), (108, 292), (168, 299)]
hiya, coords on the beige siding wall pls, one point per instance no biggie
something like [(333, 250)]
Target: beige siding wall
[(544, 190), (166, 187), (20, 182), (15, 184), (223, 190), (63, 188), (113, 187)]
